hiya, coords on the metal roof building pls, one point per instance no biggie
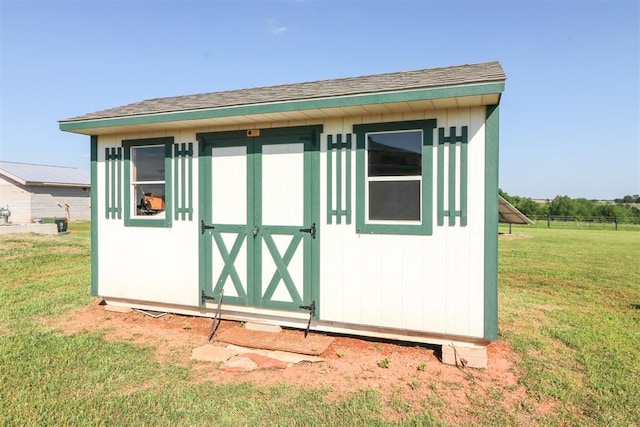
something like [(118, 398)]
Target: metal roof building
[(32, 191), (45, 175)]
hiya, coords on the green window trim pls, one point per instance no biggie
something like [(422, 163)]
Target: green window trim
[(135, 221), (183, 181), (425, 227), (338, 150), (113, 182), (460, 187)]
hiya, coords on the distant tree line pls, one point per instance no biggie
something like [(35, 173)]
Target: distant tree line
[(626, 207)]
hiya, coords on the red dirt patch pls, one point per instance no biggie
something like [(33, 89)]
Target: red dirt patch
[(414, 378)]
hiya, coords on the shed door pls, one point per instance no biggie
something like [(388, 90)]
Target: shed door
[(261, 198)]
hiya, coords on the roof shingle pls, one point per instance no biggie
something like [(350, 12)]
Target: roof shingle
[(487, 72)]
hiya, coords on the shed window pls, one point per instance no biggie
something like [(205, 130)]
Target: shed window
[(394, 182), (394, 172), (147, 173), (147, 181)]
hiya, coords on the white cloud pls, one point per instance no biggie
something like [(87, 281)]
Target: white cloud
[(275, 28)]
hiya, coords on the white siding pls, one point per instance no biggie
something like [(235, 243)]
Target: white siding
[(147, 263), (430, 283), (422, 283)]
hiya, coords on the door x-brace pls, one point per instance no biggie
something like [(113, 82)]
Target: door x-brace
[(282, 271)]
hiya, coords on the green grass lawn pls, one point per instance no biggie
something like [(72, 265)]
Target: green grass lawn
[(569, 306)]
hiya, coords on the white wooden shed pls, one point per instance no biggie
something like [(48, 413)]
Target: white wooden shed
[(370, 201)]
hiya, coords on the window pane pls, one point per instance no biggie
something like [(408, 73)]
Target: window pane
[(150, 199), (395, 153), (148, 163), (394, 200)]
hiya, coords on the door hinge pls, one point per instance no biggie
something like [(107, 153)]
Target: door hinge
[(204, 227), (311, 230)]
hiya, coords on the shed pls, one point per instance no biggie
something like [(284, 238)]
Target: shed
[(33, 191), (368, 204)]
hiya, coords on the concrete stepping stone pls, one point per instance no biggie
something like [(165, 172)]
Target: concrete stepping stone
[(283, 356), (213, 353), (239, 364), (265, 362)]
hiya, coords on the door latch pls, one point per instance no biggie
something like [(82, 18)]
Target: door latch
[(204, 227), (311, 230), (255, 231), (312, 314)]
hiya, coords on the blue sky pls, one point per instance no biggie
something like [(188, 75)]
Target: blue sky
[(570, 113)]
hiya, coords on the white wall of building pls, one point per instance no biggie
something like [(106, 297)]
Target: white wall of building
[(29, 202), (423, 283)]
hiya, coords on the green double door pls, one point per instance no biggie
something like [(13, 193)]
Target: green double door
[(259, 199)]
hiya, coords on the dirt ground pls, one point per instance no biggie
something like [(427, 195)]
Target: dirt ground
[(413, 379)]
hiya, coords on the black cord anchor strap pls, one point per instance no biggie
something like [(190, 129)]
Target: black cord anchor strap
[(312, 314)]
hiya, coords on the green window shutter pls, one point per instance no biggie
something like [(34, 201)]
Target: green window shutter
[(113, 182), (454, 188), (339, 150), (183, 181)]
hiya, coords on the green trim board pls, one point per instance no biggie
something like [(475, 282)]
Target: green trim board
[(453, 186), (491, 223), (113, 182), (94, 215), (338, 150), (129, 219), (259, 294), (183, 181), (204, 205), (425, 227), (288, 106)]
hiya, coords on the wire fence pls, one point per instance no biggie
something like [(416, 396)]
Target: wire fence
[(588, 223)]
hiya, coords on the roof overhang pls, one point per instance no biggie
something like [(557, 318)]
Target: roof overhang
[(27, 183), (438, 98), (56, 184), (13, 177)]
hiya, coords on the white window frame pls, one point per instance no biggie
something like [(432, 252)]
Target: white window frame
[(390, 178)]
